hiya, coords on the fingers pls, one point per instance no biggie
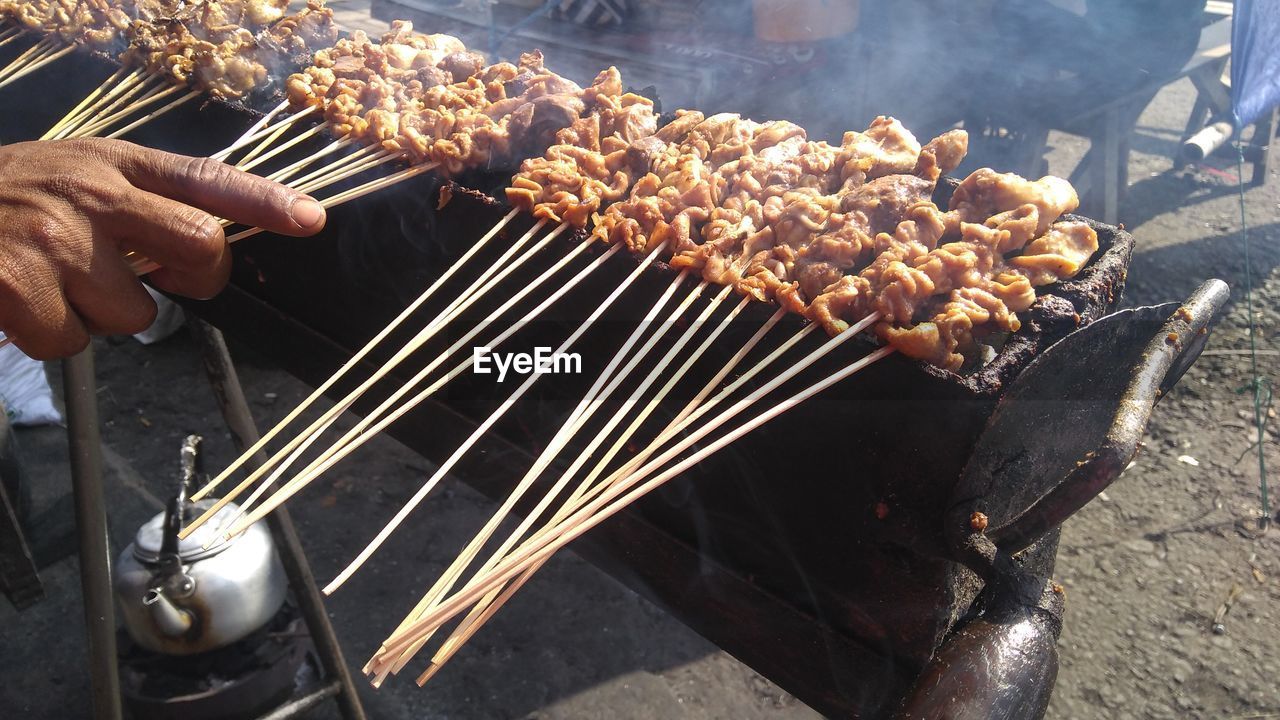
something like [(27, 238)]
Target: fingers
[(186, 242), (107, 296), (221, 190), (35, 315)]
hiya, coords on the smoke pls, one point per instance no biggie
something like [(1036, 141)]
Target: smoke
[(1004, 65)]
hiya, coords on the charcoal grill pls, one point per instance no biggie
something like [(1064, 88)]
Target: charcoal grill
[(844, 526)]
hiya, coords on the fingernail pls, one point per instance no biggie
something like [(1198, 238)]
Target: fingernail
[(307, 213)]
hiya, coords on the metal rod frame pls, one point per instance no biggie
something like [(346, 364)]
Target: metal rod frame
[(235, 411), (80, 392)]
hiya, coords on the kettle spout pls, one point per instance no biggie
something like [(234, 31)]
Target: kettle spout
[(172, 620)]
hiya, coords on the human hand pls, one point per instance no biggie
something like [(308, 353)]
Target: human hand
[(71, 209)]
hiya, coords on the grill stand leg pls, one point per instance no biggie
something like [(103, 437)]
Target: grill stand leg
[(235, 411), (80, 391)]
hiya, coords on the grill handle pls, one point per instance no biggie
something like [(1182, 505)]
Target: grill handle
[(1071, 422)]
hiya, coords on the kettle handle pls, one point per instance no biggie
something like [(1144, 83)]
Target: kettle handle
[(192, 459)]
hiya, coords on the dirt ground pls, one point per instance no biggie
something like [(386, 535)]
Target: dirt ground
[(1146, 566)]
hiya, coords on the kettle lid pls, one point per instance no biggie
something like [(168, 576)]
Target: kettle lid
[(150, 538)]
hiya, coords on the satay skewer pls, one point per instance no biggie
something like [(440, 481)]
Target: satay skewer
[(491, 276), (253, 137), (269, 138), (125, 91), (358, 357), (141, 265), (620, 495), (36, 65), (450, 313), (114, 84), (191, 95), (9, 35), (147, 99), (290, 171), (397, 641), (333, 176), (261, 122), (591, 402), (28, 56), (586, 489), (609, 378), (327, 175), (580, 524), (687, 416), (251, 162), (392, 409)]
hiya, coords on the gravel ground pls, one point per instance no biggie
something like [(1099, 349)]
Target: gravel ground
[(1146, 567)]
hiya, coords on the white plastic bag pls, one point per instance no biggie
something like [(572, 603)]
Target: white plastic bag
[(169, 319), (24, 389)]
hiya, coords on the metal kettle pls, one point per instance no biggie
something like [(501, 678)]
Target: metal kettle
[(178, 597)]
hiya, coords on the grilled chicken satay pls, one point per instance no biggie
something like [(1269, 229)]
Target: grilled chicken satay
[(828, 208), (982, 289), (853, 229), (225, 47), (426, 96), (951, 334), (594, 160)]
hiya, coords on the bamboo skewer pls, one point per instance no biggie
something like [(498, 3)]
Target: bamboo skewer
[(482, 612), (290, 172), (733, 362), (384, 415), (598, 437), (539, 541), (141, 265), (498, 413), (541, 546), (310, 436), (340, 449), (155, 114), (590, 402), (317, 180), (250, 138), (261, 122), (268, 137), (352, 194), (680, 423), (126, 91), (341, 174), (357, 358), (589, 489), (586, 490), (111, 85), (9, 36), (478, 289), (326, 175), (586, 407), (28, 56), (151, 96), (375, 185), (249, 164), (37, 64)]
